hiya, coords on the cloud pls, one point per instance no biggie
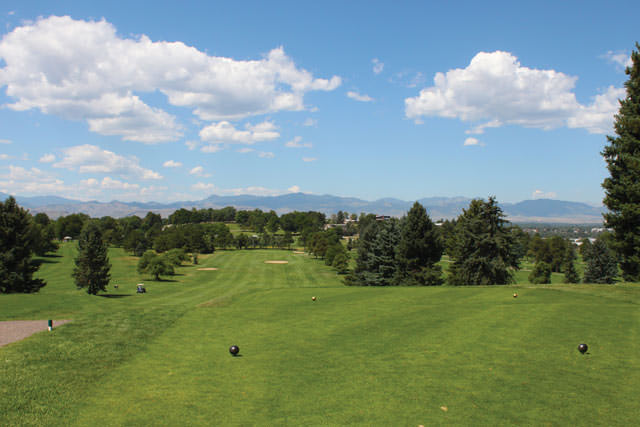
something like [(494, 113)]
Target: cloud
[(539, 194), (293, 189), (192, 145), (310, 122), (473, 141), (479, 130), (171, 164), (84, 70), (92, 159), (4, 156), (245, 150), (297, 143), (5, 141), (598, 116), (19, 180), (201, 186), (47, 158), (211, 148), (309, 159), (266, 155), (225, 132), (359, 97), (377, 66), (622, 59), (199, 171), (495, 87), (113, 184)]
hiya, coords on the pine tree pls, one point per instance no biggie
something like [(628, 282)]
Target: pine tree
[(16, 249), (622, 192), (602, 266), (570, 273), (482, 246), (92, 262), (419, 249), (376, 262)]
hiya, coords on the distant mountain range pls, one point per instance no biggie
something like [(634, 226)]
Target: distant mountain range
[(539, 210)]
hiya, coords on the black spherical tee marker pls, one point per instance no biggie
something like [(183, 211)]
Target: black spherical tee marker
[(234, 350)]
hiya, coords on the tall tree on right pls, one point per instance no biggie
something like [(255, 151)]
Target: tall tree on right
[(483, 247), (622, 192)]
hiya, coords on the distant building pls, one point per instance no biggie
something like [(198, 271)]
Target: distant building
[(382, 217), (67, 239)]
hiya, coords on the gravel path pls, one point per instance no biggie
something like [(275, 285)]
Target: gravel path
[(16, 330)]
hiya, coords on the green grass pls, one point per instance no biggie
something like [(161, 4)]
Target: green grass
[(369, 356)]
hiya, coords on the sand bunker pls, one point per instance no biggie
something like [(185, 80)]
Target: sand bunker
[(207, 269), (298, 252), (276, 262), (15, 330)]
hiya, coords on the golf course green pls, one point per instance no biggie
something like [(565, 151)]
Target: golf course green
[(354, 356)]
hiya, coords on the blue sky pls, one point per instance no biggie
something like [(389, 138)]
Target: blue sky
[(170, 101)]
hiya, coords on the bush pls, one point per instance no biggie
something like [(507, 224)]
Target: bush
[(541, 273)]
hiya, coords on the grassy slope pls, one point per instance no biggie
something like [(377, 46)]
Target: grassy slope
[(355, 356)]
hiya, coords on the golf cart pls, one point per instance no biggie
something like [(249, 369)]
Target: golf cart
[(141, 289)]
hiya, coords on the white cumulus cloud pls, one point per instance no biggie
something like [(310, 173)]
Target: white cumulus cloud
[(18, 180), (48, 158), (199, 171), (494, 87), (359, 97), (266, 155), (622, 59), (377, 65), (296, 142), (293, 189), (92, 159), (309, 159), (171, 164), (539, 194), (225, 132), (472, 141), (5, 141), (84, 70)]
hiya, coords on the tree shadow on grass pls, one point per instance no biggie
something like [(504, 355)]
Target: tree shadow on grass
[(114, 295)]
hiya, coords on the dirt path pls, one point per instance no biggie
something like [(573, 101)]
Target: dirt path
[(16, 330)]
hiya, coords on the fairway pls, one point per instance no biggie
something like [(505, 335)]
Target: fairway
[(369, 356)]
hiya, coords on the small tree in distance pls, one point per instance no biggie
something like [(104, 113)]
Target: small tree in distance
[(92, 262), (154, 264)]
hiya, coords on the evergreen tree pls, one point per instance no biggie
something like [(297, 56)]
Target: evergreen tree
[(419, 249), (622, 193), (376, 261), (16, 249), (482, 246), (92, 262), (341, 262), (602, 266), (570, 273), (541, 273)]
